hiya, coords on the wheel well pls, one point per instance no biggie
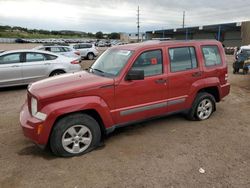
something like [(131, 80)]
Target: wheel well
[(91, 112), (213, 91), (57, 70)]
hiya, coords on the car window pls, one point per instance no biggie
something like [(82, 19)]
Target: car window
[(76, 47), (89, 46), (83, 46), (211, 55), (111, 62), (55, 49), (50, 57), (33, 57), (66, 49), (182, 59), (150, 62), (10, 58)]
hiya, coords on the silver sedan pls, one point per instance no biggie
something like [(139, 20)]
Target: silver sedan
[(21, 67)]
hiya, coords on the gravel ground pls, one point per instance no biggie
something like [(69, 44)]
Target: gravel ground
[(167, 152)]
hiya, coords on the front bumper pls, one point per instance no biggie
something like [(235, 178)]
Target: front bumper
[(32, 127)]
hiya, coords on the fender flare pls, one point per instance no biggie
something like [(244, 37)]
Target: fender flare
[(61, 108)]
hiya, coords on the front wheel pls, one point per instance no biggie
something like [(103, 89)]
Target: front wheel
[(203, 107), (75, 135)]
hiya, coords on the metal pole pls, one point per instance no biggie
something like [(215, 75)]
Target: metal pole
[(183, 19), (186, 33), (138, 23), (219, 33)]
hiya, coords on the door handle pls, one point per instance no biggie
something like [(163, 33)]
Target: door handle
[(46, 63), (197, 74), (13, 66), (161, 81)]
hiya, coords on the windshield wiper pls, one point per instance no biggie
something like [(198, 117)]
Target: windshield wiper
[(98, 70)]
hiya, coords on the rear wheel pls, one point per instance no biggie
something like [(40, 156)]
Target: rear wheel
[(245, 70), (90, 56), (203, 107), (234, 71), (75, 135), (57, 72)]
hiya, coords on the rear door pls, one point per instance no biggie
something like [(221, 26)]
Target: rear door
[(184, 72), (84, 49), (35, 67), (10, 69)]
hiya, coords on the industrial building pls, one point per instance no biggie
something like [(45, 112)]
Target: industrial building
[(230, 34), (131, 37)]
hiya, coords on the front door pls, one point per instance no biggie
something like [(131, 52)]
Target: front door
[(140, 99)]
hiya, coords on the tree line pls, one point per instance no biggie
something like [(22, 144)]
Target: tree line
[(98, 35)]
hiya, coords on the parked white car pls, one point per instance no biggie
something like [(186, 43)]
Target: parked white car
[(87, 50), (62, 50), (21, 67)]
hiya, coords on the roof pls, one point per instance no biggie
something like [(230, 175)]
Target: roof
[(28, 50), (212, 28), (154, 43)]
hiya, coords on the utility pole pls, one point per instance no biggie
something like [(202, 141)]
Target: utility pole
[(138, 23), (183, 20)]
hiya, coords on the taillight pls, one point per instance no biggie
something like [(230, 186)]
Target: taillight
[(77, 53), (226, 77), (75, 62)]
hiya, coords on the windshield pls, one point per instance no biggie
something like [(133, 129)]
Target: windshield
[(111, 62), (246, 52)]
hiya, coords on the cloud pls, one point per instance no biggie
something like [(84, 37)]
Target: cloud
[(117, 15)]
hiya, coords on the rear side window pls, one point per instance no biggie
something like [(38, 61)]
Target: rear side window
[(89, 45), (182, 59), (211, 55), (150, 62), (10, 58), (50, 57)]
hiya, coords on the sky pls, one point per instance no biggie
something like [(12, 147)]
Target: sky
[(119, 16)]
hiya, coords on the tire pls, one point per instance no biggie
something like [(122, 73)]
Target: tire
[(56, 73), (205, 104), (245, 71), (234, 71), (75, 135), (90, 56)]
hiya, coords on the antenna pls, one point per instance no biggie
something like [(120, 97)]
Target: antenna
[(138, 23), (183, 20)]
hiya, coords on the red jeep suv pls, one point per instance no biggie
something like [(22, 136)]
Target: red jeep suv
[(127, 84)]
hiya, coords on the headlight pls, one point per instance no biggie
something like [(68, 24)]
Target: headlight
[(33, 106), (34, 112)]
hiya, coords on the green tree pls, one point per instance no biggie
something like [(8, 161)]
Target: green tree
[(99, 35), (114, 36)]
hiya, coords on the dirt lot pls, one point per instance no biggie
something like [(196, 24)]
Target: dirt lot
[(167, 152)]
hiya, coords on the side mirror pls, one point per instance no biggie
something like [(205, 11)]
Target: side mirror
[(135, 75)]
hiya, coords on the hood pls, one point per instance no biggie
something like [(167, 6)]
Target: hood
[(68, 84)]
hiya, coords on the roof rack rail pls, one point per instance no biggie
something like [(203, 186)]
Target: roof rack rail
[(55, 44)]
